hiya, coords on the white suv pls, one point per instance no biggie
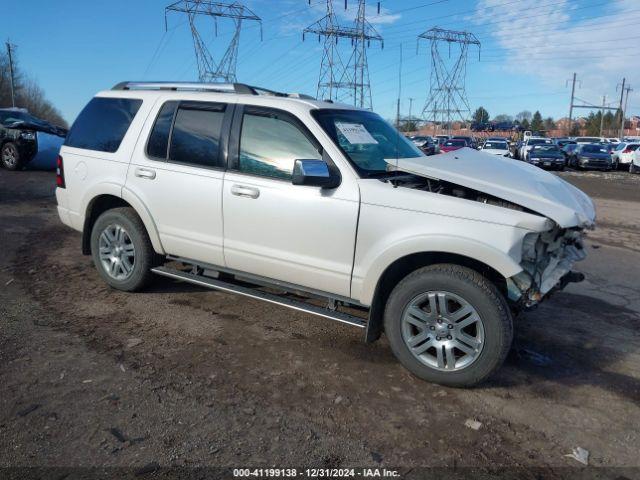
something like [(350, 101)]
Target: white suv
[(266, 194)]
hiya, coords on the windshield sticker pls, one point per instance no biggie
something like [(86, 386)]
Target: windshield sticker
[(355, 133)]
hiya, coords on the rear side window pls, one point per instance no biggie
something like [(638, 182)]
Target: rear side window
[(159, 138), (195, 137), (102, 124)]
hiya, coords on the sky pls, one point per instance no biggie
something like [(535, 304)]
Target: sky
[(529, 49)]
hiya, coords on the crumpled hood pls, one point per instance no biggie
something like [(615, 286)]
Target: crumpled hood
[(512, 180)]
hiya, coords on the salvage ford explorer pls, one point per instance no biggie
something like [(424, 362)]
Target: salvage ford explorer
[(323, 208)]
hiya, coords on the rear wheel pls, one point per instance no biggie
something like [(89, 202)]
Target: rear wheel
[(449, 325), (633, 168), (10, 156), (122, 251)]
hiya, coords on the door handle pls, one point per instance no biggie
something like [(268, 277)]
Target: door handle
[(145, 173), (244, 191)]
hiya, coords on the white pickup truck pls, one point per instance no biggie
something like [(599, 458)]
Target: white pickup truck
[(265, 194)]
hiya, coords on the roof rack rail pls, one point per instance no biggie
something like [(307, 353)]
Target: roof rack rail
[(193, 86), (207, 87)]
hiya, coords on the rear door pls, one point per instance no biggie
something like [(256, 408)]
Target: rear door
[(297, 234), (177, 172)]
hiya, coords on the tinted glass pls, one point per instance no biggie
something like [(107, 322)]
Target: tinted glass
[(159, 138), (196, 136), (495, 145), (370, 143), (269, 146), (455, 143), (102, 124), (539, 141), (593, 149)]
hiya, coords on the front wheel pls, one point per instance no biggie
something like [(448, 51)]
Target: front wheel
[(11, 159), (447, 324)]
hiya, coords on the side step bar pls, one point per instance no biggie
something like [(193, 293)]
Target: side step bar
[(260, 295)]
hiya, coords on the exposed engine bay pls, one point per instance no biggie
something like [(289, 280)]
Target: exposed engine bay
[(547, 257), (442, 187)]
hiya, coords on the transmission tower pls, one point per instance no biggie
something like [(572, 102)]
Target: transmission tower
[(447, 93), (340, 81), (208, 69)]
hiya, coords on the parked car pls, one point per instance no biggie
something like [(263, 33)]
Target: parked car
[(561, 142), (546, 156), (591, 156), (634, 165), (613, 140), (453, 144), (19, 137), (426, 144), (496, 147), (440, 139), (568, 151), (471, 141), (529, 143), (622, 154), (240, 190)]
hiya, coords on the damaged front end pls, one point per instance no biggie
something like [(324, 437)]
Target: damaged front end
[(547, 260)]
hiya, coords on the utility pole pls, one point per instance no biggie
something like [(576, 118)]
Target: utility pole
[(621, 110), (604, 104), (573, 91), (410, 106), (10, 48), (208, 69), (399, 90)]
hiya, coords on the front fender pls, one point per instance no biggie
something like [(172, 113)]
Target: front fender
[(364, 284)]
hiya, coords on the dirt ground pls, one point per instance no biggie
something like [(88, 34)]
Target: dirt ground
[(180, 376)]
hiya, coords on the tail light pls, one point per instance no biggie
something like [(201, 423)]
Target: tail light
[(627, 150), (59, 173)]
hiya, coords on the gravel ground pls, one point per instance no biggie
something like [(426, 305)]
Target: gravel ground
[(179, 376)]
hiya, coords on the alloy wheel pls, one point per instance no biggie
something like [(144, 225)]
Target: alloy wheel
[(9, 156), (443, 331), (117, 252)]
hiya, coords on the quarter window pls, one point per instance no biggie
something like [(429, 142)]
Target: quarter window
[(159, 138), (102, 124), (269, 145)]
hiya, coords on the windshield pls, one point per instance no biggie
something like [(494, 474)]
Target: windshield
[(495, 145), (539, 141), (545, 148), (594, 149), (8, 117), (455, 143), (366, 139), (587, 139)]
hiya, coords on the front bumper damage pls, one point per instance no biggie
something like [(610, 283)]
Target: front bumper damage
[(547, 260)]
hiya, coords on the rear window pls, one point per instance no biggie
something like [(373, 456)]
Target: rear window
[(102, 124), (455, 143)]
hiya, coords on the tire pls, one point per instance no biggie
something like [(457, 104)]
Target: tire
[(632, 168), (456, 285), (130, 250), (10, 157)]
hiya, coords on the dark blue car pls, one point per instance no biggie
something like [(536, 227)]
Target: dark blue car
[(591, 156), (546, 156)]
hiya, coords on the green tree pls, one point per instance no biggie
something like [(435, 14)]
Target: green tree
[(480, 115), (549, 124), (536, 122), (503, 117), (525, 124)]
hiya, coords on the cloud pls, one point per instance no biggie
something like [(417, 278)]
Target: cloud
[(552, 40)]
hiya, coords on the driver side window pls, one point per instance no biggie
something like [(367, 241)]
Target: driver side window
[(269, 145)]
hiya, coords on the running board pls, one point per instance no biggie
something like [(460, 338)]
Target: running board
[(260, 295)]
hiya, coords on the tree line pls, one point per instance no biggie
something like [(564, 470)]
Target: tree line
[(528, 121), (27, 93)]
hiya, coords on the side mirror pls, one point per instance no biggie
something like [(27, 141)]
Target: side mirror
[(314, 173)]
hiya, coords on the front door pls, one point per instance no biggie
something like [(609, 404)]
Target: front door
[(298, 234)]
